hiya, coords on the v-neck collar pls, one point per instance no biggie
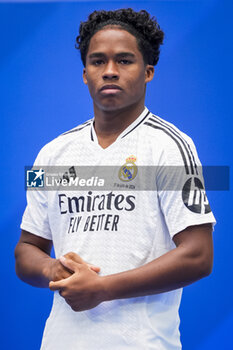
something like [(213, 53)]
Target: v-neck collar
[(125, 132)]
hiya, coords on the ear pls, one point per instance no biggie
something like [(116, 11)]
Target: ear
[(84, 76), (149, 73)]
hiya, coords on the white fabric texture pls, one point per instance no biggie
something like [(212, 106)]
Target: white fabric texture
[(145, 223)]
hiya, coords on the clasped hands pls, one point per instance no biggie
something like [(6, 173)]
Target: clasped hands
[(77, 282)]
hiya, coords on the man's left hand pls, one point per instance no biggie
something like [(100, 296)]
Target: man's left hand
[(83, 290)]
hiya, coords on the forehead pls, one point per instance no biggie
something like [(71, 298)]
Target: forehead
[(113, 40)]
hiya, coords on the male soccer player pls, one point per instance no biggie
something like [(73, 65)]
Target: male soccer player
[(144, 245)]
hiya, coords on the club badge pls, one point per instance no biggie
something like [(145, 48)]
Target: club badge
[(129, 170)]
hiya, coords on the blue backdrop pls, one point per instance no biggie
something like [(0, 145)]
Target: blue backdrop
[(42, 95)]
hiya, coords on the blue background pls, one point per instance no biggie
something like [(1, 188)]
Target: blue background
[(42, 95)]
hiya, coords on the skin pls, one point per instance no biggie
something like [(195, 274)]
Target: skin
[(34, 264), (190, 261), (113, 57), (77, 281)]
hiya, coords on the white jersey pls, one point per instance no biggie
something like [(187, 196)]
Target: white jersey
[(118, 229)]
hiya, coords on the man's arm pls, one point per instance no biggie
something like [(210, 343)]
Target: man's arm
[(191, 260), (34, 264)]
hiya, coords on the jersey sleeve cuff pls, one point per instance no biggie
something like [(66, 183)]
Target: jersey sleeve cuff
[(35, 231), (193, 222)]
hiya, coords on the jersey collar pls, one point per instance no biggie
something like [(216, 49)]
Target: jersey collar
[(128, 130)]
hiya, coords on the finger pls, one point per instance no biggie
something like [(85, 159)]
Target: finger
[(53, 286), (69, 264), (94, 268), (75, 257), (65, 271)]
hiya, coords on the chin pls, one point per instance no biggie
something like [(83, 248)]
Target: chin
[(110, 107), (113, 105)]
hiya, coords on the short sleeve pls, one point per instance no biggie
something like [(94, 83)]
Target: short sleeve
[(35, 218), (180, 186)]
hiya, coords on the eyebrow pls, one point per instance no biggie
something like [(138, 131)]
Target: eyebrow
[(120, 54)]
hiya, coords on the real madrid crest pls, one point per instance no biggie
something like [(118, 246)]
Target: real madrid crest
[(129, 170)]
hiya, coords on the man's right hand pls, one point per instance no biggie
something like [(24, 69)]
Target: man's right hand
[(34, 264), (56, 271)]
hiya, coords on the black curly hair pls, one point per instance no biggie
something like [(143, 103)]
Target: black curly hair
[(145, 28)]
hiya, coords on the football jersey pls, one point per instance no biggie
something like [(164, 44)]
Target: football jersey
[(119, 228)]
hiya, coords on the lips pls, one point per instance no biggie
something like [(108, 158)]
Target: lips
[(110, 87)]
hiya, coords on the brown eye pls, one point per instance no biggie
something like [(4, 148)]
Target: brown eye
[(97, 62), (125, 62)]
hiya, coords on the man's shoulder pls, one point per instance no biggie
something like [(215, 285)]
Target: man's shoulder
[(67, 136), (77, 128), (62, 141), (164, 132), (167, 143)]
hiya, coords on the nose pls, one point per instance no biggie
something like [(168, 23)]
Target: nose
[(111, 71)]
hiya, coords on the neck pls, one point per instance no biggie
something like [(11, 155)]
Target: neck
[(110, 124)]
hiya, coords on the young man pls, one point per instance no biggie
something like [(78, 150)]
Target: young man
[(145, 245)]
